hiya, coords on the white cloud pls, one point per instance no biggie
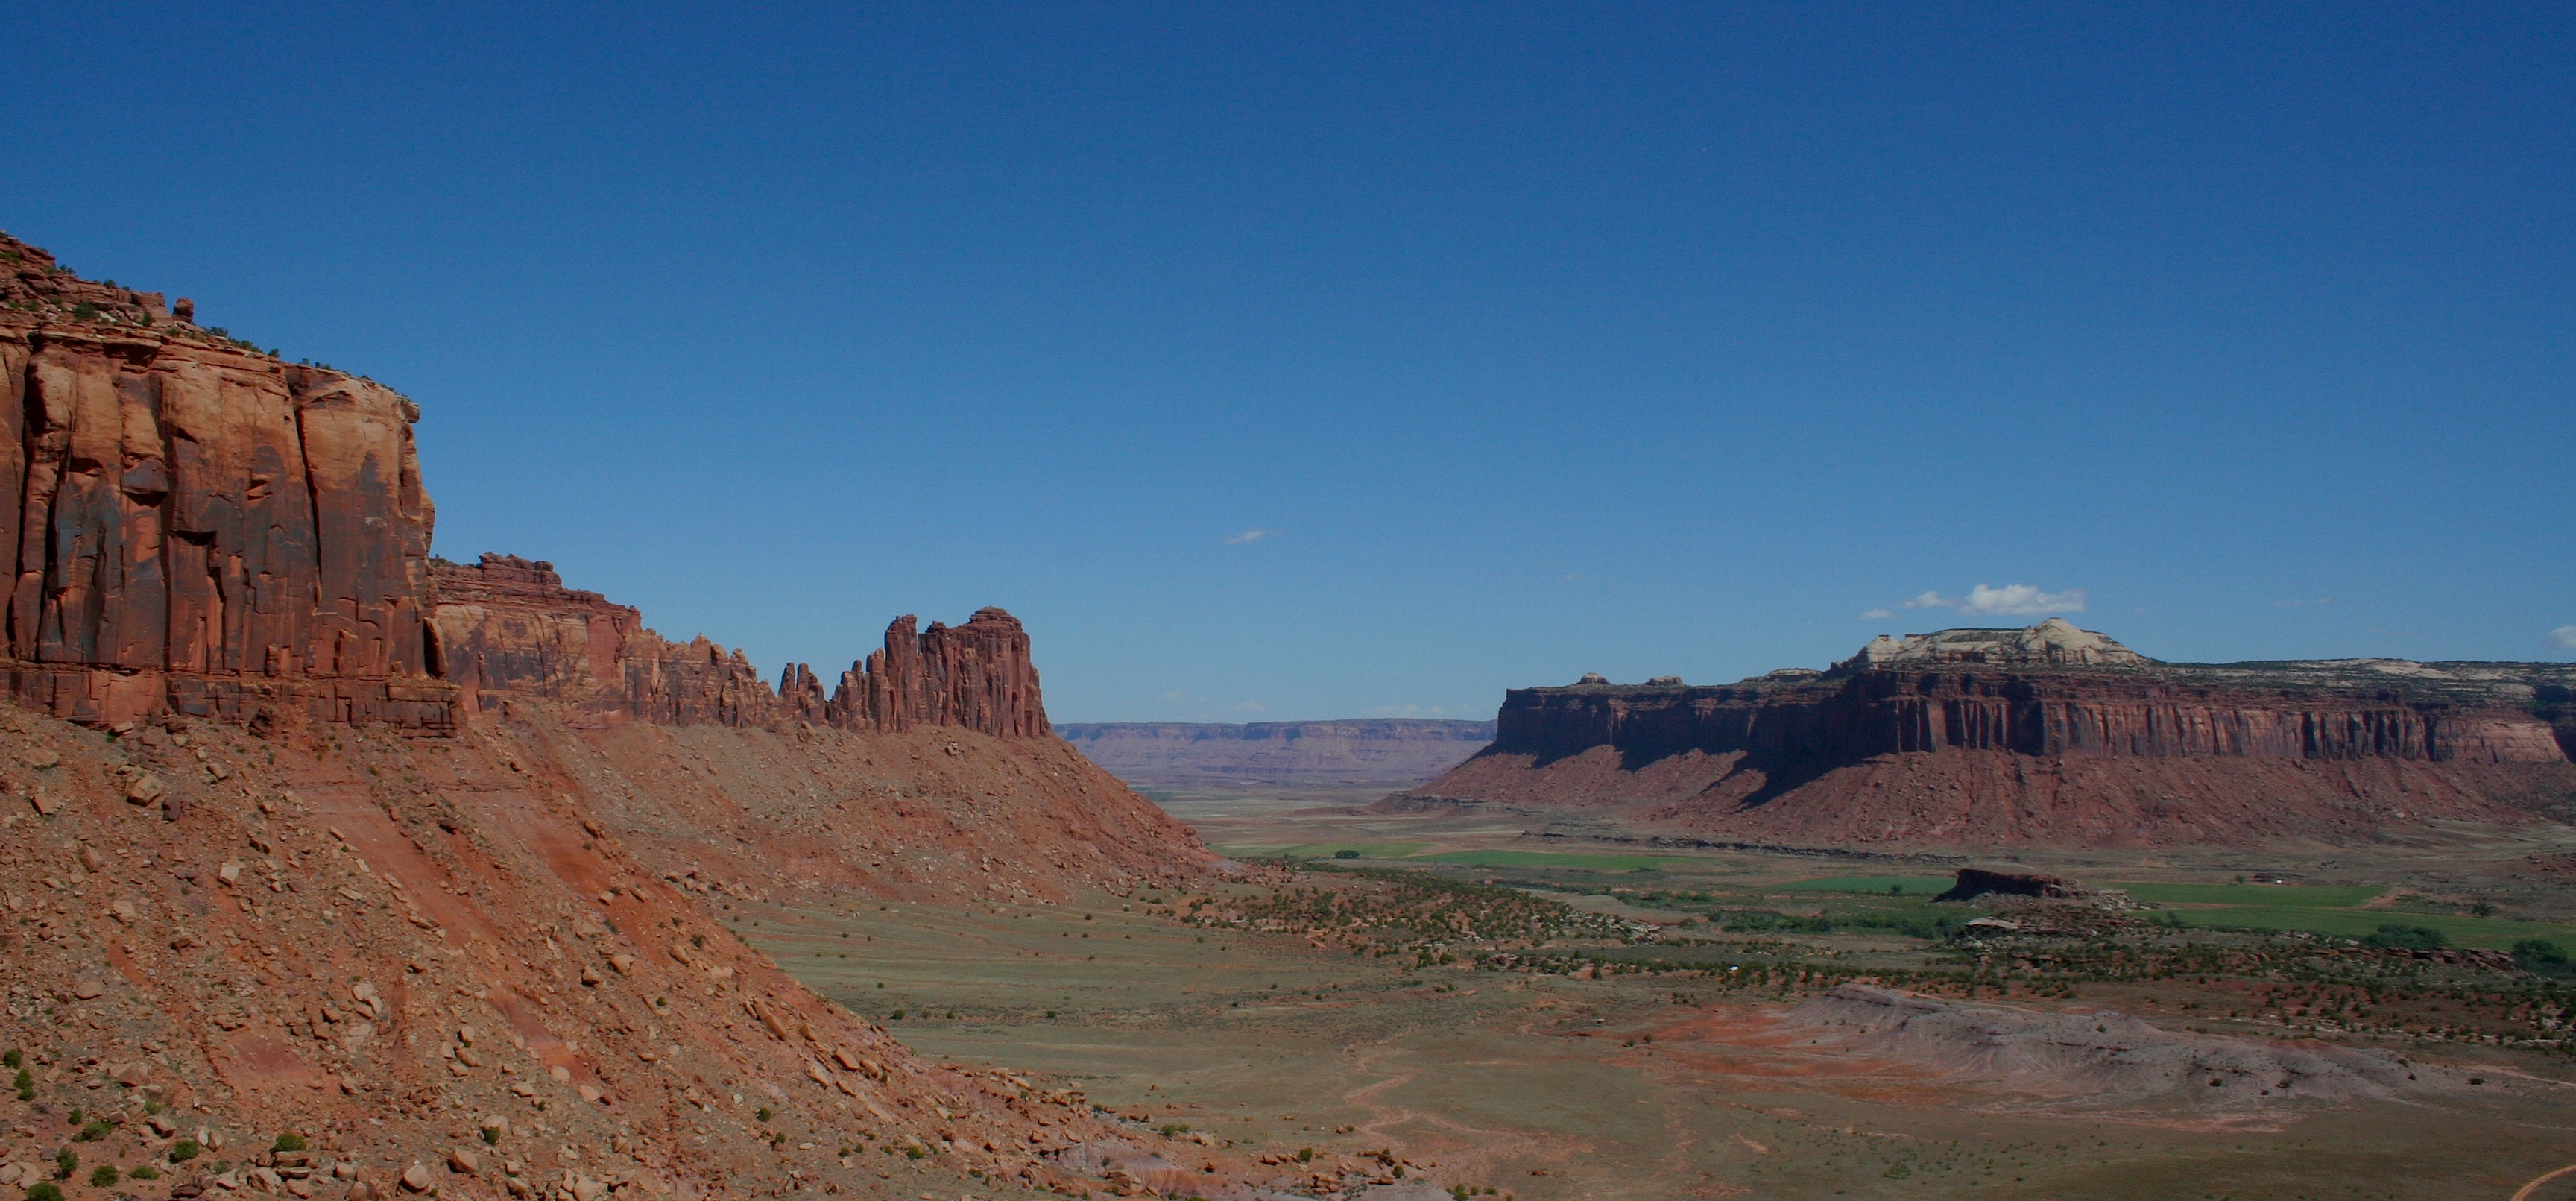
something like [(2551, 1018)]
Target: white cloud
[(2564, 638), (1986, 600), (1247, 536), (2022, 600)]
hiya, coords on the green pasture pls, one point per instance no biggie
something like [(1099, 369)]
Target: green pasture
[(2333, 911), (1879, 885), (1367, 850), (1605, 863)]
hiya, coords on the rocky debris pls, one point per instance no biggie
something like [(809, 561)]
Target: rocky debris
[(2471, 957), (1390, 752), (2110, 1060), (1975, 883), (357, 947)]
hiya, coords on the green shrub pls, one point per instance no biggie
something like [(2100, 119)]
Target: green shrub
[(44, 1190), (96, 1131), (13, 1057), (144, 1172), (103, 1175), (761, 1113), (184, 1150), (2406, 938), (288, 1142), (2535, 954), (913, 1153), (1346, 853), (66, 1161)]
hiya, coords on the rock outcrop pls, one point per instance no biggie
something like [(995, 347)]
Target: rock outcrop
[(506, 627), (1988, 736), (199, 526), (1388, 752), (2052, 643)]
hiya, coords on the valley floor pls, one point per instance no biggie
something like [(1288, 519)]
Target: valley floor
[(1648, 1085)]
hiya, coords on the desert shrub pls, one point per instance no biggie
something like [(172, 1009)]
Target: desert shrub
[(103, 1175), (2539, 955), (96, 1131), (144, 1172), (44, 1190), (184, 1150), (66, 1161), (13, 1057), (288, 1142), (2406, 938)]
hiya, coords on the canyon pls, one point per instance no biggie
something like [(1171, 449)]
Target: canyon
[(1387, 752), (2044, 735)]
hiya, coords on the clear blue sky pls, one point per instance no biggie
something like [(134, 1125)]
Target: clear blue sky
[(1287, 361)]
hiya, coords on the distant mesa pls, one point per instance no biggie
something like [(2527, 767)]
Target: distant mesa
[(1373, 752), (2043, 734)]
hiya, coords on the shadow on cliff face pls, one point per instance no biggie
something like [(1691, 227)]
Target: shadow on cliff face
[(1757, 781)]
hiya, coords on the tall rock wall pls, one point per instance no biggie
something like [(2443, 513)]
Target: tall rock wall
[(1971, 737), (506, 628), (198, 526), (2028, 713)]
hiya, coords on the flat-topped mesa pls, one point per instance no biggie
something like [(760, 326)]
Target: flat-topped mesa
[(507, 628), (2048, 732), (197, 526)]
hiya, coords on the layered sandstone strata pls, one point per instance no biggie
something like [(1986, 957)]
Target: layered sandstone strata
[(507, 628), (2000, 736), (206, 528), (198, 526)]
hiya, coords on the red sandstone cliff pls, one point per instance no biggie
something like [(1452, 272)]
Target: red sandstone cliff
[(1946, 737), (507, 627), (199, 526)]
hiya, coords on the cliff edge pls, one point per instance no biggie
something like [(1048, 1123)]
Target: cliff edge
[(2046, 734)]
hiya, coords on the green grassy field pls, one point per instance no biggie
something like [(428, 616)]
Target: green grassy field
[(1911, 885), (1593, 862), (2333, 911), (1366, 850)]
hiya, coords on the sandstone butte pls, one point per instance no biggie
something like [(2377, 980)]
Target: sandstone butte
[(2048, 734), (309, 832)]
